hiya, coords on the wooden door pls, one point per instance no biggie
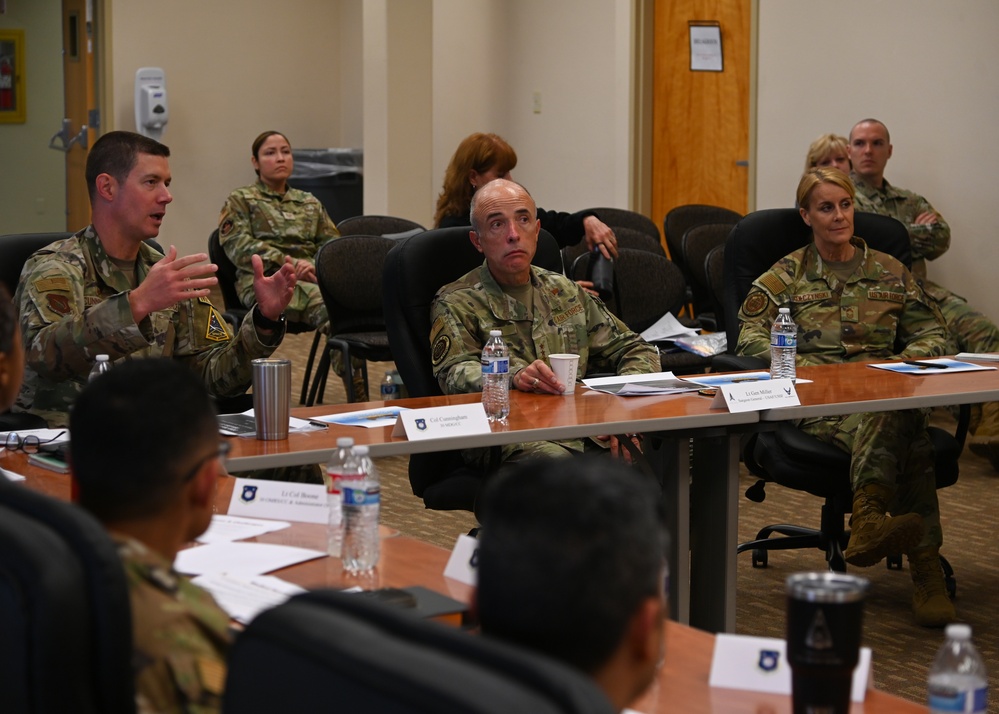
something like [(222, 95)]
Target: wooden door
[(700, 120), (80, 98)]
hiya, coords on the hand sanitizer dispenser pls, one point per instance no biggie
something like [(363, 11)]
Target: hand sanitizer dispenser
[(151, 112)]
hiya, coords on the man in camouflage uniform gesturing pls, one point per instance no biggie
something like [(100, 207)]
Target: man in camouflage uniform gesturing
[(969, 330), (539, 313), (105, 291)]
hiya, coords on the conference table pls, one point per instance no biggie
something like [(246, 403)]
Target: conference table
[(680, 685), (676, 427)]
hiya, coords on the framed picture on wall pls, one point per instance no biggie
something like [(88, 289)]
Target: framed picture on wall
[(12, 107)]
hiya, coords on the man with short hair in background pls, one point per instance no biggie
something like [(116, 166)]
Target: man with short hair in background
[(572, 564), (969, 330)]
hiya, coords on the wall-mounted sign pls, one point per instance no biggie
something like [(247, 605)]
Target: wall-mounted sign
[(705, 47)]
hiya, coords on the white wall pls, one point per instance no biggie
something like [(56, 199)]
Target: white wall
[(491, 56), (32, 176), (233, 70), (926, 69)]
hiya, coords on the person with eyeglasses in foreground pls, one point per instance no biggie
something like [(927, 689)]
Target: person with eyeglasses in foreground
[(145, 456)]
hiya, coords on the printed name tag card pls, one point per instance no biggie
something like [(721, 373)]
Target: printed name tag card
[(755, 396), (463, 565), (759, 664), (441, 422), (279, 500)]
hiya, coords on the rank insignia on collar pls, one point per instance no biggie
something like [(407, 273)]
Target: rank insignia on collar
[(769, 659), (215, 330)]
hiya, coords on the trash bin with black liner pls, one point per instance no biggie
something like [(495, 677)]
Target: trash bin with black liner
[(334, 176)]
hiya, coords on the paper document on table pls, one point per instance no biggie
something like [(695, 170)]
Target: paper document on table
[(225, 529), (927, 367), (667, 327), (368, 418), (980, 356), (717, 380), (10, 475), (244, 424), (243, 598), (632, 385), (241, 558)]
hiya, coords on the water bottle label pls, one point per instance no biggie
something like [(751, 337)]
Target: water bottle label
[(389, 391), (361, 496), (948, 699), (783, 340), (496, 366)]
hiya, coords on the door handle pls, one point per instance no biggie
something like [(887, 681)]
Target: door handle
[(63, 136)]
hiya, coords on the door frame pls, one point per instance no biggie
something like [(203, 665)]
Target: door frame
[(644, 56)]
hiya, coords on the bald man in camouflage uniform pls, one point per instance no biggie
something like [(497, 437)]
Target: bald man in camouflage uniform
[(969, 330), (105, 291), (858, 317), (539, 313)]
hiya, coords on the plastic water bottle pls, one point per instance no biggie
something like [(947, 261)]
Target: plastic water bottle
[(334, 497), (957, 681), (496, 378), (361, 502), (389, 388), (783, 346), (102, 365)]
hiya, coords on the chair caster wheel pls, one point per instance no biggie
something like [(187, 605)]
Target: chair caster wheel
[(760, 558), (894, 562)]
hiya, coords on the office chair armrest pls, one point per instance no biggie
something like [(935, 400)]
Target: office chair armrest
[(737, 363)]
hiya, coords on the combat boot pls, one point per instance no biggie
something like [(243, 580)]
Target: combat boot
[(875, 535), (985, 441), (930, 603)]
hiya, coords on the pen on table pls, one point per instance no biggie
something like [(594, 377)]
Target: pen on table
[(924, 365), (320, 424)]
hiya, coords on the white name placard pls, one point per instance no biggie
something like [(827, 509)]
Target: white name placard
[(279, 500), (441, 422), (463, 564), (759, 664), (756, 396)]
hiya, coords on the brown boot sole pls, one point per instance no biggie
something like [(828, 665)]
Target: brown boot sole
[(898, 541)]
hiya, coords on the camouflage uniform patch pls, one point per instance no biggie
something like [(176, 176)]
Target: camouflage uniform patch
[(181, 637), (754, 304), (442, 345)]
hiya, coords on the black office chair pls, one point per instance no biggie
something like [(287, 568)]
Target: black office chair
[(697, 242), (235, 312), (415, 269), (681, 219), (65, 618), (714, 269), (349, 272), (646, 287), (326, 650), (624, 218), (626, 238), (787, 455), (387, 226)]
